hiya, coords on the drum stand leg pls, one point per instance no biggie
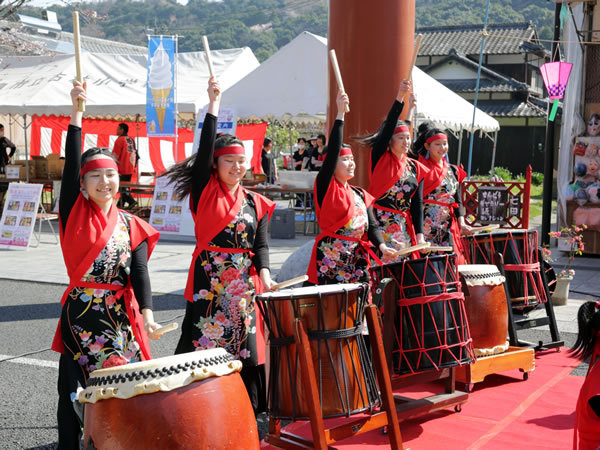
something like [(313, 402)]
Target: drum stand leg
[(516, 325), (322, 437)]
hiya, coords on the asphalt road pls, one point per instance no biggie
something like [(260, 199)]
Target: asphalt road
[(28, 318)]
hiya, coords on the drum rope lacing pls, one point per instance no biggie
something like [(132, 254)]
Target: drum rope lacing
[(159, 372)]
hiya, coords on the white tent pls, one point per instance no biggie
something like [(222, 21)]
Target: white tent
[(293, 84), (116, 83)]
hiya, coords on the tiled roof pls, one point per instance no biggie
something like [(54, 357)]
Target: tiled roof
[(511, 108), (491, 81), (503, 38)]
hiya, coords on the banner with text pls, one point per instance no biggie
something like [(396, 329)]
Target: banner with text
[(160, 88)]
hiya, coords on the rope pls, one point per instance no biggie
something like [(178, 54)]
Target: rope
[(25, 354)]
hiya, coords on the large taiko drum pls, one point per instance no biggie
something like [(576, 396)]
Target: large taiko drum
[(426, 312), (485, 303), (333, 318), (521, 263), (188, 401)]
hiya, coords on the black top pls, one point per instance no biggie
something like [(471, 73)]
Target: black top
[(4, 144), (380, 147), (70, 190), (201, 173), (299, 159), (317, 159), (326, 175), (268, 165)]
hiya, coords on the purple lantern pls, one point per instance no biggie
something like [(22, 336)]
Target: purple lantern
[(555, 75)]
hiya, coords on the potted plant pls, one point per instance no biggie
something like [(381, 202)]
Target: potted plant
[(573, 236)]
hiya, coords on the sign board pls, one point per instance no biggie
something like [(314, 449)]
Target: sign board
[(168, 214), (226, 123), (18, 217), (492, 204)]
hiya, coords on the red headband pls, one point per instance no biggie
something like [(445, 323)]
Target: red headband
[(231, 150), (100, 163), (345, 151), (402, 129), (436, 137)]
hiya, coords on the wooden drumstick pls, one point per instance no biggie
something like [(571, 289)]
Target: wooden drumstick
[(290, 282), (484, 228), (414, 56), (441, 248), (77, 45), (413, 248), (338, 74), (211, 69), (162, 330)]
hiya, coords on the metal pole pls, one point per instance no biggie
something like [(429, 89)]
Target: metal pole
[(176, 109), (483, 36), (459, 148), (549, 155), (494, 153), (26, 147)]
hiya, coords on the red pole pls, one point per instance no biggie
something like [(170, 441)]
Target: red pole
[(526, 198), (374, 42)]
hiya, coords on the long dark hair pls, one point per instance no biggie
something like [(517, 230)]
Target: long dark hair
[(94, 151), (588, 321), (424, 132), (181, 174), (369, 140)]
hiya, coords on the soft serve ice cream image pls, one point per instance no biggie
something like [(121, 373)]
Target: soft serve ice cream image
[(160, 81)]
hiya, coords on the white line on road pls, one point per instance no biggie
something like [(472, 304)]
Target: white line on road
[(31, 361)]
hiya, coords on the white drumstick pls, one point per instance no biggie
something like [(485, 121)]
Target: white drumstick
[(211, 69), (414, 57), (413, 248), (290, 282), (77, 45), (338, 74), (440, 248), (485, 228), (162, 330)]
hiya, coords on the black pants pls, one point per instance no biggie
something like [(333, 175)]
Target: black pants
[(126, 197), (69, 425)]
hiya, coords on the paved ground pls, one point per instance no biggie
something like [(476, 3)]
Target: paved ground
[(32, 281)]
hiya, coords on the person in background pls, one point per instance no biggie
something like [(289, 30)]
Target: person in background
[(125, 151), (300, 155), (268, 162), (319, 153), (5, 144)]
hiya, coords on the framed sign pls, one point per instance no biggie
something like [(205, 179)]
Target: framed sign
[(19, 214), (492, 204)]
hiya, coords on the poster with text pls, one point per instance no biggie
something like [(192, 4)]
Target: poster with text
[(18, 216), (167, 211), (226, 123)]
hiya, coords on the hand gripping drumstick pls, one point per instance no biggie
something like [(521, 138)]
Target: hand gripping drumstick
[(76, 44), (414, 248), (283, 284), (162, 330), (338, 74)]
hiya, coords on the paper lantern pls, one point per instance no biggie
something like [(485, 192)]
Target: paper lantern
[(556, 76)]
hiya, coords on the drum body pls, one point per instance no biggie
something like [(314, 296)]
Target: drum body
[(521, 263), (426, 312), (193, 400), (332, 316), (485, 303)]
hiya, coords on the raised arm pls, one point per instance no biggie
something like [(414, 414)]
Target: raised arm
[(202, 168), (70, 188), (333, 149), (389, 125)]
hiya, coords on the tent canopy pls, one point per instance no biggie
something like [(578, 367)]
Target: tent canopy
[(293, 83), (116, 83)]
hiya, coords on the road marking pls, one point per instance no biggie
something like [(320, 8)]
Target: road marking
[(30, 361)]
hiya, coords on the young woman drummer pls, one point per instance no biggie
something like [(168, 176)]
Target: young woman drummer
[(341, 251), (443, 220), (231, 259), (396, 179), (106, 252), (587, 413)]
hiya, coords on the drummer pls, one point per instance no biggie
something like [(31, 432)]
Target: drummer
[(443, 212), (396, 179), (231, 259), (106, 252), (341, 251)]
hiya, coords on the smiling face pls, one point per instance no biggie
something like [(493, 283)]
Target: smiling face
[(101, 185), (437, 149), (231, 169), (344, 169), (400, 143)]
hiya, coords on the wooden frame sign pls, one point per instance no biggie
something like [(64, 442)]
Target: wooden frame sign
[(493, 203)]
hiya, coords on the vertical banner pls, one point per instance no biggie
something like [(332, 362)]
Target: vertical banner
[(160, 86), (18, 216)]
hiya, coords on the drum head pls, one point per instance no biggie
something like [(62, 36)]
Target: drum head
[(481, 274), (161, 374), (310, 291)]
